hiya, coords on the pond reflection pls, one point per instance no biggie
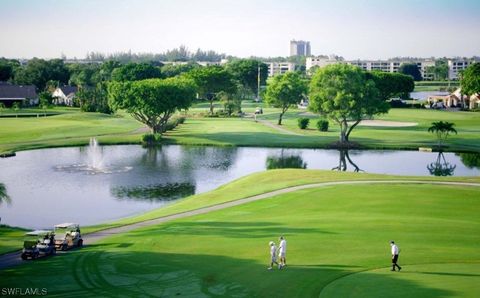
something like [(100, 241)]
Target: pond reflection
[(285, 161), (4, 197), (440, 167), (160, 192), (43, 196), (342, 162), (470, 160)]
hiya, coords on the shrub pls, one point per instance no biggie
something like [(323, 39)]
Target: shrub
[(303, 123), (151, 139), (322, 125), (181, 119)]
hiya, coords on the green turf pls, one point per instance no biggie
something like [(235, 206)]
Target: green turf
[(260, 183), (10, 238), (69, 129), (72, 128), (332, 233)]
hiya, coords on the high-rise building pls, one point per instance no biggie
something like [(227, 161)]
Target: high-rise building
[(299, 48)]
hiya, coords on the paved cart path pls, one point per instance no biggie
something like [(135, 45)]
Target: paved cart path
[(13, 259)]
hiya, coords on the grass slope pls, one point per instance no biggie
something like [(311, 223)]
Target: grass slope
[(68, 129), (337, 242)]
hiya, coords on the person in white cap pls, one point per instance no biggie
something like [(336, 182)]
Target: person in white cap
[(273, 255), (282, 252), (395, 252)]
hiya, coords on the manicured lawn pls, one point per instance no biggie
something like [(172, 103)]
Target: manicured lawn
[(11, 239), (68, 129), (260, 183), (466, 123), (337, 242), (73, 128)]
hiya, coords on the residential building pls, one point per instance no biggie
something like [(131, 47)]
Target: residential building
[(276, 68), (371, 65), (26, 95), (456, 66), (64, 95), (322, 61), (300, 48)]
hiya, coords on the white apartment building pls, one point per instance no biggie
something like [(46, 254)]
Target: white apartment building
[(321, 61), (370, 65), (455, 66), (276, 68)]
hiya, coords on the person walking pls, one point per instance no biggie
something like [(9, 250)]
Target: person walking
[(273, 255), (395, 252), (282, 252)]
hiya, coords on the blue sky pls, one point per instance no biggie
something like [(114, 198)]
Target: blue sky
[(364, 29)]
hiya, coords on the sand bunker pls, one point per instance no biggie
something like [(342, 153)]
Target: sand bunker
[(387, 123)]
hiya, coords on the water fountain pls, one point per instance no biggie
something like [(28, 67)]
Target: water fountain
[(95, 158), (94, 163)]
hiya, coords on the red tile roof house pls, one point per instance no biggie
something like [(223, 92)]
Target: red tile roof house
[(26, 95)]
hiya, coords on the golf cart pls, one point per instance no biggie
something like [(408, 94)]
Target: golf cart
[(68, 236), (38, 243)]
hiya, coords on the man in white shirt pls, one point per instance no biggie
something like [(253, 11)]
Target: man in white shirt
[(273, 255), (282, 252), (395, 252)]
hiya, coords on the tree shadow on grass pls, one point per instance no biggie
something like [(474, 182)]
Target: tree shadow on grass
[(228, 229), (99, 272)]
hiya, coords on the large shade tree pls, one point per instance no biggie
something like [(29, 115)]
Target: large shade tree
[(136, 72), (152, 101), (410, 69), (470, 80), (212, 80), (285, 91), (246, 71), (392, 84), (38, 72), (344, 94)]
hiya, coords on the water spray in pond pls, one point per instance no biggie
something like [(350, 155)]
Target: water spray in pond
[(94, 163)]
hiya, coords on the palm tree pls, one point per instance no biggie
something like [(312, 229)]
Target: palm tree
[(442, 129), (4, 198)]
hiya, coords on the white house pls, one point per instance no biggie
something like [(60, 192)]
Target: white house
[(64, 95)]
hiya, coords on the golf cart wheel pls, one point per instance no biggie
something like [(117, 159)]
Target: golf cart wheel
[(80, 243), (24, 257)]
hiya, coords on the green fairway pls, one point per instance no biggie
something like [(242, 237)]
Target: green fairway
[(337, 241), (71, 128), (10, 238), (68, 129)]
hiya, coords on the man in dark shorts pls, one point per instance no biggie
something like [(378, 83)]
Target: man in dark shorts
[(395, 252)]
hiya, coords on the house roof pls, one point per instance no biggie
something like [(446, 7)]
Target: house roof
[(68, 90), (17, 92)]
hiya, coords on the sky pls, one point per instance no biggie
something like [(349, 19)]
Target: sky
[(355, 29)]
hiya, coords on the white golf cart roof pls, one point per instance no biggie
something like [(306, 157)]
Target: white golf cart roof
[(66, 225), (38, 233)]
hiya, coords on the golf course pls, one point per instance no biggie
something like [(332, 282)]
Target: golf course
[(337, 224), (338, 242), (73, 128)]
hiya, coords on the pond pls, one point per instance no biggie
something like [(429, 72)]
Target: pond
[(423, 95), (95, 184)]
